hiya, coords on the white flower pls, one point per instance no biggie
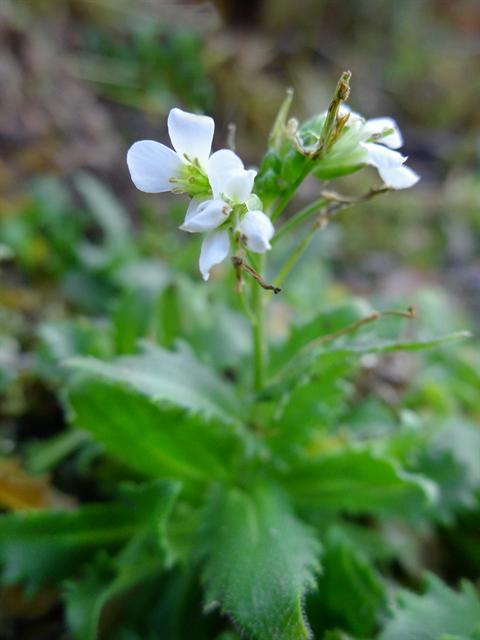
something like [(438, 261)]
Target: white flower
[(258, 230), (205, 215), (155, 167), (255, 229), (380, 138), (215, 248), (218, 184), (231, 185), (228, 178)]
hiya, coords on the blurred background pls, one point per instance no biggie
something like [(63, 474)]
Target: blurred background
[(86, 260), (82, 79)]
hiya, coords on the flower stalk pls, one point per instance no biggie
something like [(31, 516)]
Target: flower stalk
[(227, 200), (258, 332)]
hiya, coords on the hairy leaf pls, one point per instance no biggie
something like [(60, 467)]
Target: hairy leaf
[(153, 439), (43, 547), (358, 481), (259, 562), (107, 582), (440, 613), (174, 377), (351, 592), (451, 460)]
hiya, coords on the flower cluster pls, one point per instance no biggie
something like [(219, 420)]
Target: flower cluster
[(379, 139), (222, 205), (359, 142)]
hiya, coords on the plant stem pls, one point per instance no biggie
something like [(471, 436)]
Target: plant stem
[(244, 303), (330, 204), (258, 330), (294, 257), (299, 217), (293, 188)]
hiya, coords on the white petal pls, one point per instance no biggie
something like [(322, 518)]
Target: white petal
[(353, 115), (382, 157), (205, 215), (254, 203), (239, 186), (220, 167), (215, 248), (399, 177), (191, 134), (376, 126), (151, 165), (193, 207), (258, 230)]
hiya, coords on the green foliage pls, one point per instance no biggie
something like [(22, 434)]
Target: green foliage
[(438, 614), (143, 60), (451, 460), (109, 581), (285, 503), (259, 561), (177, 378), (161, 440), (107, 212), (44, 547), (351, 593), (358, 481)]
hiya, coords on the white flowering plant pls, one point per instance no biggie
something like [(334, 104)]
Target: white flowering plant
[(255, 503)]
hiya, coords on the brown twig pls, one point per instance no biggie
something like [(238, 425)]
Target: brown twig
[(410, 314), (339, 202), (240, 264), (236, 261)]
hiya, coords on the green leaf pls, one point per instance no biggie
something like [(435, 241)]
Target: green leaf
[(346, 347), (438, 613), (351, 592), (44, 547), (259, 562), (43, 455), (327, 322), (131, 317), (106, 209), (387, 346), (153, 438), (336, 635), (173, 377), (451, 460), (357, 480), (306, 408), (106, 583)]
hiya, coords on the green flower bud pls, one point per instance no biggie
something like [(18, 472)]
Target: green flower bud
[(266, 184), (292, 165)]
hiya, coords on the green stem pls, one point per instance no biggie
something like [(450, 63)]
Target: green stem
[(258, 330), (244, 303), (294, 257), (299, 217), (292, 189)]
